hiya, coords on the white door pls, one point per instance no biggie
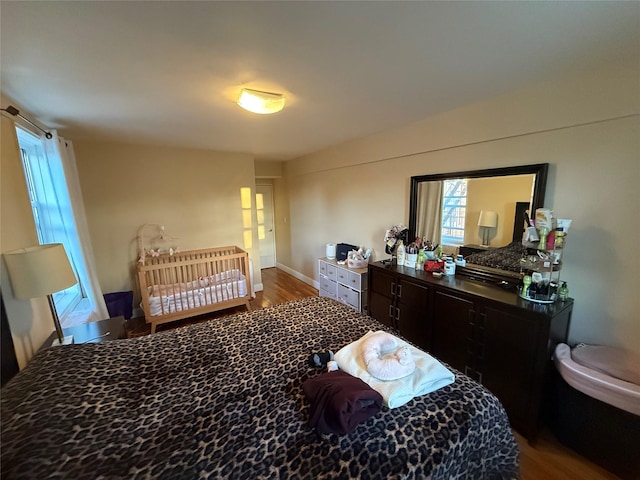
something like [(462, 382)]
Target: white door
[(266, 234)]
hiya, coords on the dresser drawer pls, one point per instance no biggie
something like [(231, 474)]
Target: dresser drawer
[(322, 267), (358, 281), (327, 293), (332, 271), (342, 276), (349, 296), (328, 285)]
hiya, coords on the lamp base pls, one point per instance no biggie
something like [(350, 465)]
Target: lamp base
[(67, 340)]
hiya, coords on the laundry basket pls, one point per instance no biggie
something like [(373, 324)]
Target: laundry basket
[(594, 412), (119, 303)]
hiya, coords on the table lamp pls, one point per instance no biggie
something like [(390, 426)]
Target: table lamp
[(39, 271), (487, 220)]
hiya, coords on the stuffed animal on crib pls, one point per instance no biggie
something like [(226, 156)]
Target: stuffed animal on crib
[(385, 359)]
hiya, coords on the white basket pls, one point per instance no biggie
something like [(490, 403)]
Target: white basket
[(354, 263)]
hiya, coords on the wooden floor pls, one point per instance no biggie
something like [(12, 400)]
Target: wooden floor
[(547, 460)]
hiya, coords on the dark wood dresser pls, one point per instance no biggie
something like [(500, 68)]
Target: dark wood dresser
[(489, 333)]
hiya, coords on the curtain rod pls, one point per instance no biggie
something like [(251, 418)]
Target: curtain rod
[(11, 110)]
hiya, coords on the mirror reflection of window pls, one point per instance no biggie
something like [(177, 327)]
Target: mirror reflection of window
[(429, 214), (454, 211)]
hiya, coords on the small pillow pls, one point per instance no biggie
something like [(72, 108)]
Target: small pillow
[(615, 362), (385, 359)]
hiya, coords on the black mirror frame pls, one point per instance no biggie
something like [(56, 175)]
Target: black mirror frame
[(475, 271)]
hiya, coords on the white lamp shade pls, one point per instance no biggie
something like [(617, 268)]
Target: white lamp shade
[(39, 271), (261, 102), (488, 219)]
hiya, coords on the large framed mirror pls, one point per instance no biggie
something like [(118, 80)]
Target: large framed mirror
[(501, 195)]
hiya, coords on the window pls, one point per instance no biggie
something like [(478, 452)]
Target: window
[(47, 214), (454, 209)]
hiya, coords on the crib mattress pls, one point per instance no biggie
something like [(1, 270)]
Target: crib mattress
[(165, 299), (613, 391)]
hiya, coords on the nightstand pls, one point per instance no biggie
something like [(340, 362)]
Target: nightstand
[(92, 332)]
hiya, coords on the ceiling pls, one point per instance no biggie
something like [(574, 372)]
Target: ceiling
[(167, 73)]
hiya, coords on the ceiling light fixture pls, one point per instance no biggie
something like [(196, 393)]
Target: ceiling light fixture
[(261, 102)]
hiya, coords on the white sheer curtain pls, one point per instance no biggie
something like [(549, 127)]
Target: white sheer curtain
[(429, 221), (64, 172)]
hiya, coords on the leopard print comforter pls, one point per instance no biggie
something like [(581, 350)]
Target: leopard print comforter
[(223, 399)]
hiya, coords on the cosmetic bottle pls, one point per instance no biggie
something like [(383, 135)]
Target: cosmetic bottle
[(543, 239), (400, 252), (563, 292), (449, 267), (526, 282)]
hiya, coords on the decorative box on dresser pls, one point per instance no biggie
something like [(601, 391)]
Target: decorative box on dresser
[(347, 285), (491, 334)]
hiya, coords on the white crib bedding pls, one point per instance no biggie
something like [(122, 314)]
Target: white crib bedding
[(164, 299)]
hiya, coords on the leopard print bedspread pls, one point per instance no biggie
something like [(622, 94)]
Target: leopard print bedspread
[(504, 258), (223, 399)]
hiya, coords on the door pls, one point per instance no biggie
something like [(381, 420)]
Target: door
[(414, 322), (509, 360), (266, 234), (381, 297), (451, 324)]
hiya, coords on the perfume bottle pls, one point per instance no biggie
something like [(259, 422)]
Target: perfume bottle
[(563, 292)]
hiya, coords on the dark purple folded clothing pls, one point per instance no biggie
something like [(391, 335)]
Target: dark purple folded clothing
[(339, 402)]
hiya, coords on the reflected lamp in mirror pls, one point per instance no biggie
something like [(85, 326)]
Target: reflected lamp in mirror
[(486, 221), (38, 271)]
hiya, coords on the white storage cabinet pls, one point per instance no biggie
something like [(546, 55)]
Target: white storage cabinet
[(347, 285)]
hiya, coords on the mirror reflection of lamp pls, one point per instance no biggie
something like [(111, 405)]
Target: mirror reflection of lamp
[(39, 271), (486, 221)]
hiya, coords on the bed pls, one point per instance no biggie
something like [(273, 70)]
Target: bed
[(508, 257), (224, 399), (185, 284)]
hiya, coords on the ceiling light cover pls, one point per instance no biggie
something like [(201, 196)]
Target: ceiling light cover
[(261, 102)]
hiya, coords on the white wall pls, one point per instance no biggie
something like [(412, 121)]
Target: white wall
[(587, 128), (195, 194)]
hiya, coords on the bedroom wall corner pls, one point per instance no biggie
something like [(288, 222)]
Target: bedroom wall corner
[(29, 320), (194, 193), (588, 135)]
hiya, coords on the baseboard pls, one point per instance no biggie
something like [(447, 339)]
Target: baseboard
[(299, 276)]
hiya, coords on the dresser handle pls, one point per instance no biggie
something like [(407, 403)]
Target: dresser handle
[(399, 290)]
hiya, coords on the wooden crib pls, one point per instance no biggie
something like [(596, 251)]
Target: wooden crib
[(191, 283)]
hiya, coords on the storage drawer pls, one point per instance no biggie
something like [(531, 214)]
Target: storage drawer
[(342, 276), (327, 293), (358, 281), (331, 271), (322, 267), (349, 296), (328, 285)]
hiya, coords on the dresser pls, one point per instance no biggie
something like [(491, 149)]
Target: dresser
[(347, 285), (492, 335)]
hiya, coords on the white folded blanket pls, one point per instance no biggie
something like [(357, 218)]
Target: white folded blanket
[(428, 376)]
